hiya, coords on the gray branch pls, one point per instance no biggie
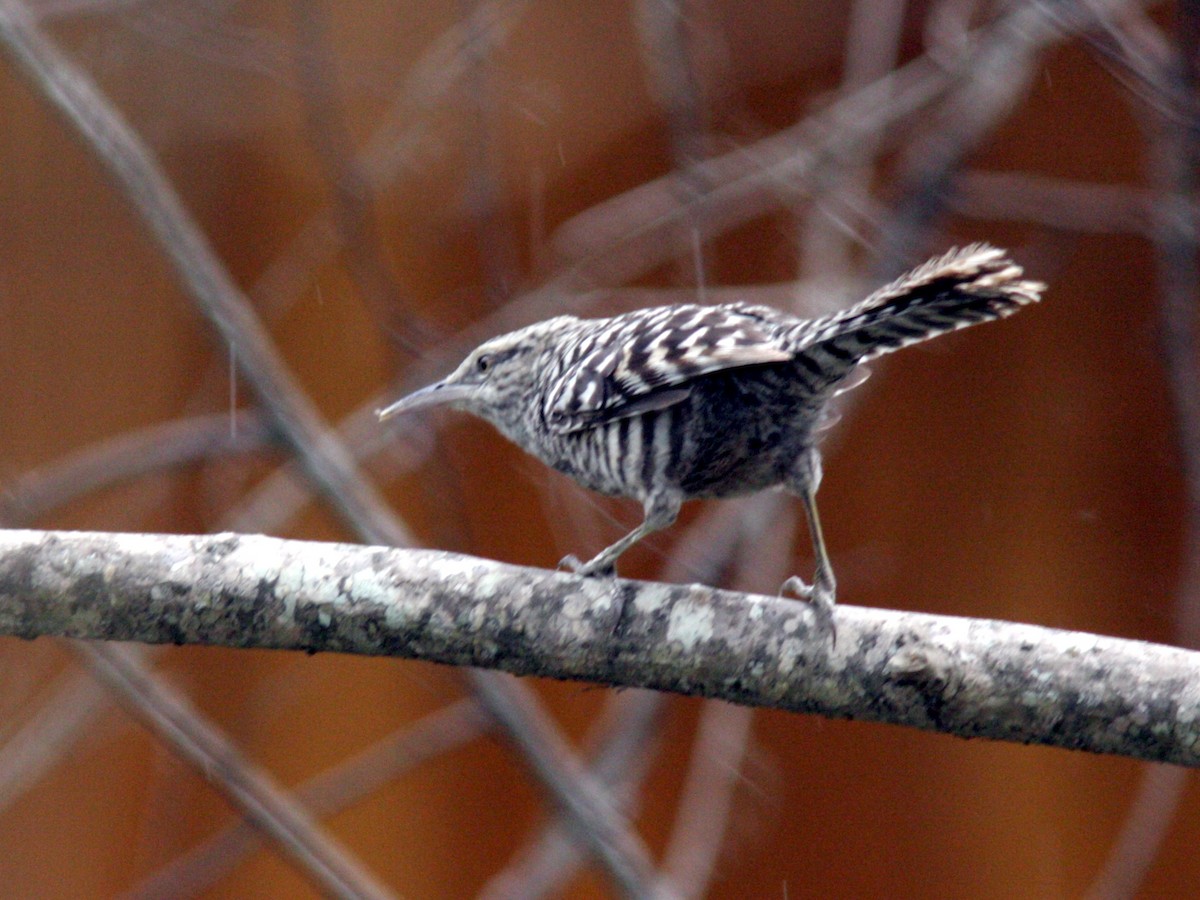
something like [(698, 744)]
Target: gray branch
[(969, 677)]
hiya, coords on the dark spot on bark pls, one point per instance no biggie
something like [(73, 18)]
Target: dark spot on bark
[(16, 590), (217, 550)]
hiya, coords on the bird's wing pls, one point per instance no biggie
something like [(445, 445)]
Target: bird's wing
[(644, 360)]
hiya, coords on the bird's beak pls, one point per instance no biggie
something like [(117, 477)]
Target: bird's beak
[(437, 394)]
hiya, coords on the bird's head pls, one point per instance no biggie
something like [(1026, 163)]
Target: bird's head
[(497, 381)]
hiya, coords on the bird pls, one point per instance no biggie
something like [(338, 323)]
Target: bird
[(674, 403)]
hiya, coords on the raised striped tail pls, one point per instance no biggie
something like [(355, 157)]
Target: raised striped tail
[(978, 283)]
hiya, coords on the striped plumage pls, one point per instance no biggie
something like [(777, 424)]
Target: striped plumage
[(677, 402)]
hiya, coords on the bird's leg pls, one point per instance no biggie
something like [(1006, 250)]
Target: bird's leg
[(822, 592), (661, 508)]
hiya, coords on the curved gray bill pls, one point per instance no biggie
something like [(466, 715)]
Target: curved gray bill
[(435, 395)]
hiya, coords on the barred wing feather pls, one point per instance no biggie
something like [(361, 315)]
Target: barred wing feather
[(643, 361)]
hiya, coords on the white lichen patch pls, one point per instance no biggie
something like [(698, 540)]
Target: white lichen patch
[(449, 567), (594, 595), (789, 652), (690, 624), (369, 586), (755, 607), (651, 598), (292, 581), (487, 584)]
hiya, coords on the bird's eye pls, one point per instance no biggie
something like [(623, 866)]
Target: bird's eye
[(483, 364)]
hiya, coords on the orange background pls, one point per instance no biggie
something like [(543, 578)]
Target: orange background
[(1023, 471)]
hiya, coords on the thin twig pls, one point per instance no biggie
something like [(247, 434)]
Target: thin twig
[(173, 718), (589, 808), (1176, 155), (72, 94), (134, 454), (623, 744), (353, 194), (202, 866)]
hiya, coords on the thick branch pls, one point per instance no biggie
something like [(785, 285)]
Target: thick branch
[(970, 677)]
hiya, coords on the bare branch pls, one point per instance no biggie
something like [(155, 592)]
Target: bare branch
[(970, 677)]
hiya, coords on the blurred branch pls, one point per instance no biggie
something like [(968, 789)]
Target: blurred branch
[(722, 737), (1174, 75), (970, 677), (764, 541), (173, 718), (496, 238), (626, 236), (619, 763), (1003, 64), (702, 554), (662, 29), (394, 146), (1060, 203), (46, 738), (353, 194), (327, 462), (143, 451), (199, 868), (874, 32), (104, 131), (587, 806)]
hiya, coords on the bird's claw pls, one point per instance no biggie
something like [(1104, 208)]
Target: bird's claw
[(820, 598), (571, 563)]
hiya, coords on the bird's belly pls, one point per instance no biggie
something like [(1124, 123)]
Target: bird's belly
[(731, 463), (745, 437), (727, 438)]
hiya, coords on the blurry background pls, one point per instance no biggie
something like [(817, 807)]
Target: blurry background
[(388, 183)]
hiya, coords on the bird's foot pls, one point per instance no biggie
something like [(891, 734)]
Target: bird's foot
[(597, 567), (820, 597)]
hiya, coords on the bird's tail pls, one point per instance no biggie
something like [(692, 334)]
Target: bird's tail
[(978, 283)]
